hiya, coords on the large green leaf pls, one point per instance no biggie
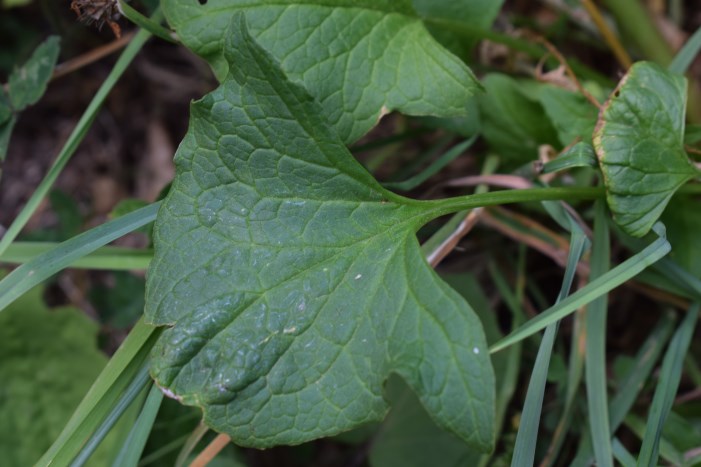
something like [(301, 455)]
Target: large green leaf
[(639, 141), (357, 57), (49, 360), (293, 282)]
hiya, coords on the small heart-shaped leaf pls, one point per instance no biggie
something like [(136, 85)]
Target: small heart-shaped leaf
[(293, 282), (639, 140)]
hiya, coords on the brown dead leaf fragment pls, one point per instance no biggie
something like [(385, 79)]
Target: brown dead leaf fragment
[(98, 12)]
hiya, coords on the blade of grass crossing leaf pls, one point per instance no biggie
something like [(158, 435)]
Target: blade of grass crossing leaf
[(595, 366), (524, 451), (133, 447), (667, 387), (103, 394), (45, 265), (135, 388), (622, 455), (604, 284), (687, 54), (75, 138), (111, 258)]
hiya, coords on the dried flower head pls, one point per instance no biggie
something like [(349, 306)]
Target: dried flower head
[(98, 12)]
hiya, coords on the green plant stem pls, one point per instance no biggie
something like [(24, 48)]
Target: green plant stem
[(75, 138), (146, 23), (450, 205)]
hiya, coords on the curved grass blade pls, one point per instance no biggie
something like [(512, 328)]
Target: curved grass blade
[(633, 381), (440, 163), (686, 54), (595, 351), (125, 401), (45, 265), (134, 445), (75, 138), (604, 284), (667, 388), (524, 451), (104, 393)]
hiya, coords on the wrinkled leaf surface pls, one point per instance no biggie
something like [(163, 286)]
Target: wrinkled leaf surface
[(358, 58), (293, 283), (639, 140)]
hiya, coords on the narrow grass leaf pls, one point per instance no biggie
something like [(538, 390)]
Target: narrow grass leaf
[(622, 455), (107, 389), (604, 284), (434, 168), (595, 366), (109, 258), (667, 387), (686, 54), (74, 139), (667, 450), (632, 382), (645, 359), (135, 388), (134, 445), (45, 265), (526, 439)]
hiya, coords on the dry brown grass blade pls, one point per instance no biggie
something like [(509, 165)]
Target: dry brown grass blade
[(211, 451)]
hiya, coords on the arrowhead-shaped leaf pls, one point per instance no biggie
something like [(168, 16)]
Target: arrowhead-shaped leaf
[(639, 140), (358, 58), (293, 281)]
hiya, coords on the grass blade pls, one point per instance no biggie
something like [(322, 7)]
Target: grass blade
[(435, 167), (595, 366), (109, 258), (135, 388), (667, 388), (75, 138), (604, 284), (97, 403), (45, 265), (687, 54), (622, 455), (134, 445), (524, 451)]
